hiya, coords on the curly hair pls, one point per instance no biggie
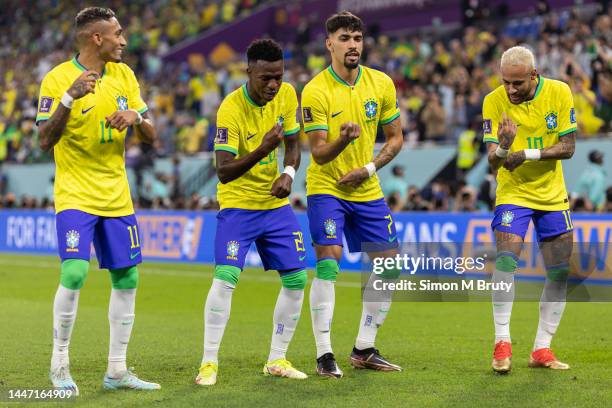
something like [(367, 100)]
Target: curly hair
[(264, 49), (344, 19)]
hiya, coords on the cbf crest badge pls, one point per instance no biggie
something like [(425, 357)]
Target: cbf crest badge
[(122, 104), (551, 120), (330, 228), (507, 218), (72, 241), (232, 250), (371, 109)]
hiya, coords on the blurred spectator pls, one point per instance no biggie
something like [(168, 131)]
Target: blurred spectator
[(434, 119), (3, 181), (467, 149), (488, 188), (394, 202), (608, 204), (395, 184), (591, 185), (584, 103), (414, 201)]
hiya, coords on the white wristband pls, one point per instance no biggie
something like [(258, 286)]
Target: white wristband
[(532, 154), (67, 100), (290, 171), (501, 153), (371, 168), (139, 119)]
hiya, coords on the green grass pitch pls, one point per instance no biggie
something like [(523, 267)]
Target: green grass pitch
[(445, 348)]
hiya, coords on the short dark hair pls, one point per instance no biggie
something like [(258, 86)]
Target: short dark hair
[(92, 14), (264, 49), (343, 19)]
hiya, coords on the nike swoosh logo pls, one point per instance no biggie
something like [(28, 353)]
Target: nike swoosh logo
[(336, 114), (248, 137), (302, 257), (132, 256), (392, 238), (84, 111)]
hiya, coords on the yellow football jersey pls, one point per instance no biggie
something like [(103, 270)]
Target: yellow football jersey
[(327, 103), (90, 167), (241, 126), (541, 122)]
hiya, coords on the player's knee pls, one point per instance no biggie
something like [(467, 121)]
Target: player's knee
[(227, 273), (125, 278), (73, 273), (506, 262), (327, 269), (558, 273), (295, 280)]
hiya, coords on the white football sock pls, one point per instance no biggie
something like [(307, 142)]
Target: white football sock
[(502, 305), (286, 316), (322, 300), (216, 314), (121, 320), (64, 314), (552, 305), (373, 314)]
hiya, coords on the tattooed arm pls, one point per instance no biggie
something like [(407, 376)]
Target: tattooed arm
[(562, 150), (51, 130), (393, 145)]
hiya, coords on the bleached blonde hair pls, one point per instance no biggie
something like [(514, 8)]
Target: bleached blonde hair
[(518, 55)]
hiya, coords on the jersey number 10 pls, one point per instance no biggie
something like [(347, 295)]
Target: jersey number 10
[(535, 143)]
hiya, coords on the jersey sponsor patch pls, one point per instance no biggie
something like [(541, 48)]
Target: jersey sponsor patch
[(572, 116), (487, 128), (221, 137), (45, 104), (307, 115)]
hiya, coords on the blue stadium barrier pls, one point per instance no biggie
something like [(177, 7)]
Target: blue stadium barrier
[(188, 236)]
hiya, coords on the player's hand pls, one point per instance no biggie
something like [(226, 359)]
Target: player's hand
[(349, 131), (282, 186), (84, 84), (354, 178), (514, 160), (120, 120), (273, 138), (506, 132)]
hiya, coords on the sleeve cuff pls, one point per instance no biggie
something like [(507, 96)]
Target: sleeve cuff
[(315, 127), (567, 132), (391, 119), (292, 131), (142, 110), (227, 149), (490, 140)]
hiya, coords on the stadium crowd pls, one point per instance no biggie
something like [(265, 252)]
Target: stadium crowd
[(441, 76)]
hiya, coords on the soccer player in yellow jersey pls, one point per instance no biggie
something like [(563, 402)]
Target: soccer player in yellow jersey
[(529, 127), (85, 107), (252, 122), (342, 108)]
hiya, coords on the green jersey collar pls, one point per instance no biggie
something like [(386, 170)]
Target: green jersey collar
[(342, 81), (245, 92), (539, 87), (77, 64)]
